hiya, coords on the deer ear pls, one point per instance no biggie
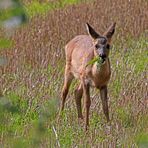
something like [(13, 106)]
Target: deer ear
[(92, 32), (110, 31)]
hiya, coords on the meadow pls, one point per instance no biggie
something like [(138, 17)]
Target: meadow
[(32, 79)]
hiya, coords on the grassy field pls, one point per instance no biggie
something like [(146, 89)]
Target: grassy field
[(32, 80)]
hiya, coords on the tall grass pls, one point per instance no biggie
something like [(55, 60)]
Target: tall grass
[(31, 82)]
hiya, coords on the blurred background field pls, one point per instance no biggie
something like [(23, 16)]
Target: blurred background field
[(32, 61)]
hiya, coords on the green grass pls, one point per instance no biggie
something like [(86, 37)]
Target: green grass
[(5, 43), (36, 8)]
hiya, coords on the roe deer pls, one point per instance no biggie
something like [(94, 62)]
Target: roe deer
[(79, 52)]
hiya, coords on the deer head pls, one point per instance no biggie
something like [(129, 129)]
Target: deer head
[(101, 42)]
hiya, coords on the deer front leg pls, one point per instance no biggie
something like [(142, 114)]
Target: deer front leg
[(104, 98), (87, 104)]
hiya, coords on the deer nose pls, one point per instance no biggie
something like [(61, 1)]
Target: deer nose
[(103, 56)]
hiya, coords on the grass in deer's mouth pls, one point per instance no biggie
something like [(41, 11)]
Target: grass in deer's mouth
[(97, 60)]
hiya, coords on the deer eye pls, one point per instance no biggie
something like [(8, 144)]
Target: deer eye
[(108, 46), (97, 46)]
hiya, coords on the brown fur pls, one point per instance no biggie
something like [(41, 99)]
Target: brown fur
[(79, 51)]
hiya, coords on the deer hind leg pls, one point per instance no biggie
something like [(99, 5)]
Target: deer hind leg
[(78, 97), (104, 98), (87, 103), (67, 82)]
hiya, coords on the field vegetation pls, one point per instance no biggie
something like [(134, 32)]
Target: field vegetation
[(32, 77)]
